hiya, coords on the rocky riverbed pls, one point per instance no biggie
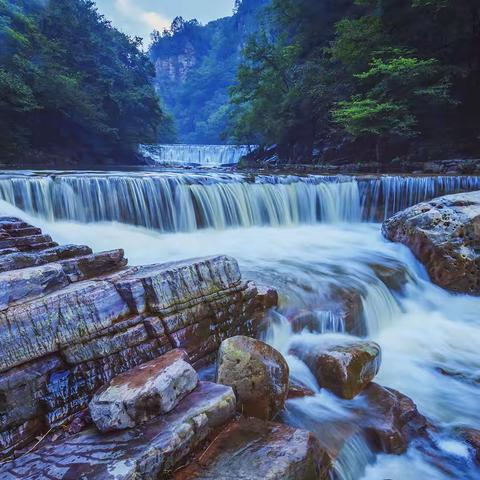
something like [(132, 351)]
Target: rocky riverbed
[(105, 370)]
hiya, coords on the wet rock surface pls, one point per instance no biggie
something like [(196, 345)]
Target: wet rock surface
[(342, 366), (151, 389), (472, 437), (257, 373), (391, 419), (71, 320), (251, 449), (148, 452), (444, 234), (382, 419)]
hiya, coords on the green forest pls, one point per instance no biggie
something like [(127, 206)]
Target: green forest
[(378, 78), (73, 86), (319, 79)]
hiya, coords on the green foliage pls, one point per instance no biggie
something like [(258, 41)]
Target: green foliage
[(379, 70), (369, 117), (68, 80)]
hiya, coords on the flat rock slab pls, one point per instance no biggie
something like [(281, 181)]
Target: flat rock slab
[(94, 265), (21, 285), (148, 452), (151, 389), (252, 449), (165, 287)]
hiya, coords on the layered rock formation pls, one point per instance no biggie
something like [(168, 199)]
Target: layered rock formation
[(444, 235), (71, 320), (148, 452)]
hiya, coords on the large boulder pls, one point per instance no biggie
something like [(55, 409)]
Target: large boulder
[(342, 365), (151, 389), (444, 234), (257, 373), (250, 449)]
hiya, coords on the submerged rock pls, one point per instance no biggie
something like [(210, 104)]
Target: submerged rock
[(341, 365), (252, 449), (257, 373), (444, 234), (149, 390), (297, 389), (472, 437), (391, 419)]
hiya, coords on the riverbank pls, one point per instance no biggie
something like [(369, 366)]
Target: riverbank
[(269, 161)]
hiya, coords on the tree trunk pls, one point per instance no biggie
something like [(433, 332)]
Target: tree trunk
[(378, 149)]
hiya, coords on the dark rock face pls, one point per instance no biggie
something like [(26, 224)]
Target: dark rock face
[(257, 373), (250, 449), (444, 235), (72, 320), (147, 452), (344, 367)]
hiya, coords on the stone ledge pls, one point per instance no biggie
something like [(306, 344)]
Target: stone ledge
[(144, 453)]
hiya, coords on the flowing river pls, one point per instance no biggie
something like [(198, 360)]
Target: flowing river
[(309, 237)]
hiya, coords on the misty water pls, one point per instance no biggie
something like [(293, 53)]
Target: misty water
[(303, 236)]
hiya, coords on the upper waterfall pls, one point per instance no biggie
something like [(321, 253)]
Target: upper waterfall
[(183, 202), (196, 155)]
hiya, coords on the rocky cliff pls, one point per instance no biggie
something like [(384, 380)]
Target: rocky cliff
[(196, 64)]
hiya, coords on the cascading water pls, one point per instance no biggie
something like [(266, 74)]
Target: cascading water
[(180, 202), (195, 155), (305, 237)]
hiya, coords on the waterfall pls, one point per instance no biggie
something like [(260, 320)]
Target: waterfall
[(185, 202), (195, 155), (172, 202), (386, 195)]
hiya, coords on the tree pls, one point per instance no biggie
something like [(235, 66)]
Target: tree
[(401, 73), (78, 85)]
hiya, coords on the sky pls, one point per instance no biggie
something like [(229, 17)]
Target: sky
[(141, 17)]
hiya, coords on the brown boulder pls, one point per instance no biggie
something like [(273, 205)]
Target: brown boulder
[(391, 419), (341, 365), (257, 373), (444, 235)]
